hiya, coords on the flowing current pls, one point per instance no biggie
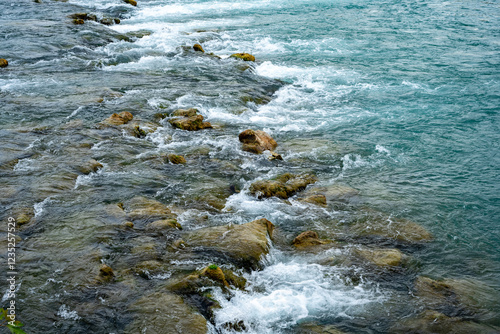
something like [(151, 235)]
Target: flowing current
[(392, 105)]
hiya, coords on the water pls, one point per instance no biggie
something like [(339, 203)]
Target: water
[(397, 99)]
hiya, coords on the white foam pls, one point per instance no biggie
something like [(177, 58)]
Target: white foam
[(38, 208), (65, 313)]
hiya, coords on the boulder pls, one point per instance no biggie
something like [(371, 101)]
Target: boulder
[(198, 47), (118, 119), (381, 257), (283, 186), (160, 313), (243, 56), (257, 141), (90, 166), (185, 112), (138, 132), (78, 21), (164, 224), (243, 244), (83, 16), (435, 322), (176, 159), (308, 239), (24, 215), (106, 273), (275, 156), (131, 2), (315, 199), (192, 123)]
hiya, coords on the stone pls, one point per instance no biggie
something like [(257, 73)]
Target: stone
[(315, 199), (138, 132), (176, 159), (164, 224), (24, 216), (141, 208), (308, 239), (131, 2), (381, 257), (106, 273), (256, 141), (312, 328), (90, 166), (215, 273), (243, 56), (185, 112), (78, 21), (244, 244), (119, 119), (192, 123), (283, 186), (160, 313), (198, 47), (275, 156)]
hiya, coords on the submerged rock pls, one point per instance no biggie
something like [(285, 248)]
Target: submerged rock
[(244, 244), (308, 239), (192, 123), (435, 322), (90, 166), (198, 47), (119, 119), (106, 273), (243, 56), (381, 257), (176, 159), (315, 199), (164, 224), (24, 215), (256, 141), (312, 328), (161, 312), (141, 208), (283, 186)]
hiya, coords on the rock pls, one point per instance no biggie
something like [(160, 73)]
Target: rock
[(238, 282), (131, 2), (164, 224), (192, 123), (315, 199), (90, 166), (107, 21), (24, 215), (243, 56), (128, 224), (257, 141), (119, 119), (83, 16), (312, 328), (283, 187), (275, 156), (198, 47), (176, 159), (389, 228), (78, 21), (160, 313), (435, 322), (308, 239), (138, 132), (244, 244), (106, 273), (185, 112), (381, 257), (215, 273), (141, 208)]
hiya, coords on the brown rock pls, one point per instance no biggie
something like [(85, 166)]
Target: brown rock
[(192, 123), (257, 141), (381, 257), (308, 239), (215, 273), (3, 62), (316, 199), (176, 159), (164, 224), (141, 208), (275, 156), (243, 56), (198, 47), (90, 166), (78, 21), (284, 186), (106, 273), (131, 2), (185, 112), (118, 119)]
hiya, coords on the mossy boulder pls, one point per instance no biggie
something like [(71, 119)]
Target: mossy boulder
[(90, 166), (119, 119), (308, 239), (256, 141), (176, 159), (434, 322), (3, 62), (283, 186), (162, 312), (243, 56), (242, 244), (131, 2), (193, 123), (198, 47), (380, 257)]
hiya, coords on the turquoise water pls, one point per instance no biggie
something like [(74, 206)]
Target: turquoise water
[(397, 99)]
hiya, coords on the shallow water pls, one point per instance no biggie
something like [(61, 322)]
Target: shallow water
[(396, 99)]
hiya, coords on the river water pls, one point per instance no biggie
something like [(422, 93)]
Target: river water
[(396, 99)]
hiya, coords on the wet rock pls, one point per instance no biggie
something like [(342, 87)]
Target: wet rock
[(83, 16), (141, 208), (128, 224), (131, 2), (164, 224), (312, 328), (435, 322), (275, 156), (215, 273), (234, 280), (244, 244), (185, 112), (160, 313), (256, 141), (176, 159), (192, 123), (106, 273), (119, 119), (24, 215), (78, 21), (308, 239), (381, 257), (138, 132), (148, 269), (107, 21), (90, 166), (283, 187), (198, 47), (315, 199), (389, 228), (243, 56)]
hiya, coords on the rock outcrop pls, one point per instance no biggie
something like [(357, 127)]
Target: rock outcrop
[(283, 186), (257, 141)]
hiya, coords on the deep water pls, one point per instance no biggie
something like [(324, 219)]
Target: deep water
[(399, 100)]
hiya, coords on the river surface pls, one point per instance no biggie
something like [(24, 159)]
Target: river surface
[(399, 100)]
